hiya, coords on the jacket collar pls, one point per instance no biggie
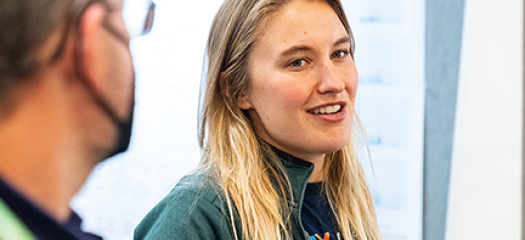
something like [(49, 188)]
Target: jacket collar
[(298, 172)]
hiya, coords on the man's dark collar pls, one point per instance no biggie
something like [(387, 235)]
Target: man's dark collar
[(41, 224)]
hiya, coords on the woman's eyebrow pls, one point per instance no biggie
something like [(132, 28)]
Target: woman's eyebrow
[(343, 40), (294, 49), (304, 48)]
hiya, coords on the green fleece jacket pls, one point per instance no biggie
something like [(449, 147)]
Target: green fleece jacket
[(195, 210)]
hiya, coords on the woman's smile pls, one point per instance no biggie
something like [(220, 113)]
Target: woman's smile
[(330, 112)]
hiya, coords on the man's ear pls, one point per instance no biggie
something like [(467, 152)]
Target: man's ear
[(91, 48)]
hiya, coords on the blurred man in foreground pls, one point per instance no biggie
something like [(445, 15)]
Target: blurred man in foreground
[(66, 104)]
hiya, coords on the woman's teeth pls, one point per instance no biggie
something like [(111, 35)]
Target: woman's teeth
[(327, 109)]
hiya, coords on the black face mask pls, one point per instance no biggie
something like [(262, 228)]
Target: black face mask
[(124, 126)]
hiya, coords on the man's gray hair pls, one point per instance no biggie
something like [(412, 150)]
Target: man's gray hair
[(25, 25)]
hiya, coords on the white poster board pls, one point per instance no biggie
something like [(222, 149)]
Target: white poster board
[(486, 184), (390, 59)]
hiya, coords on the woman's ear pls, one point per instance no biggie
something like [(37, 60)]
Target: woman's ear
[(224, 85), (243, 101)]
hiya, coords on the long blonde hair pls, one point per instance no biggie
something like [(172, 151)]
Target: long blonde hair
[(244, 167)]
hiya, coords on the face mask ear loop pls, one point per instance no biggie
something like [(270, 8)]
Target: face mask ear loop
[(82, 75)]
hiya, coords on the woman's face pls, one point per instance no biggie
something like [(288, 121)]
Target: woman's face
[(303, 81)]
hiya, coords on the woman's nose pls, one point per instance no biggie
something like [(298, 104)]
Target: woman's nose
[(330, 80)]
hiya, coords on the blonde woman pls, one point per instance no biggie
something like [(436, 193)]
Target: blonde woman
[(276, 132)]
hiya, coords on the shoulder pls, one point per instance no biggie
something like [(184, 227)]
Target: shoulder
[(194, 209), (198, 185)]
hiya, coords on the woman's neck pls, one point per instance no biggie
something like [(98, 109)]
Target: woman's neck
[(317, 174)]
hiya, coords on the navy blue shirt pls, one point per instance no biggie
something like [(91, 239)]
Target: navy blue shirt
[(316, 214), (42, 225)]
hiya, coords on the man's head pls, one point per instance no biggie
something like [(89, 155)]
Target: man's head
[(83, 46), (26, 25)]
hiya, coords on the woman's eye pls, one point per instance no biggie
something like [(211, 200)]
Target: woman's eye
[(297, 63), (340, 53)]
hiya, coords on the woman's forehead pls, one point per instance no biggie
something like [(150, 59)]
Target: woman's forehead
[(117, 4), (297, 18)]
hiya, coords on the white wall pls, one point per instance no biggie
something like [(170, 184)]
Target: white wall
[(485, 201)]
